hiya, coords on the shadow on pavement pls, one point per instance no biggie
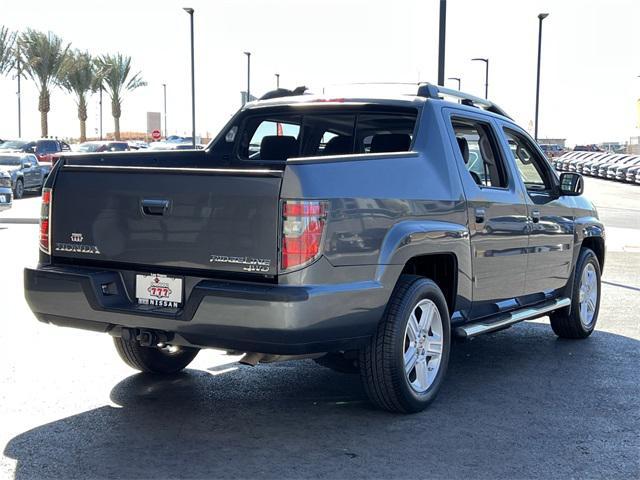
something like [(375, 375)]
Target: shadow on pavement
[(517, 404)]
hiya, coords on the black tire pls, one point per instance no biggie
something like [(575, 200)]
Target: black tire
[(338, 362), (382, 364), (18, 192), (154, 359), (568, 323)]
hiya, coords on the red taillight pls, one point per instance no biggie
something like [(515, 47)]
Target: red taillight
[(45, 222), (302, 228)]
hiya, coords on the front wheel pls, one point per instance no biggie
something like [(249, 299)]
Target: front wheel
[(18, 191), (580, 319), (405, 362), (160, 359)]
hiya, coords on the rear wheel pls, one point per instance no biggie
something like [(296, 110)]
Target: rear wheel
[(403, 366), (579, 321), (18, 191), (160, 359)]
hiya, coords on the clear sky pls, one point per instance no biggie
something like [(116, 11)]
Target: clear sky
[(589, 85)]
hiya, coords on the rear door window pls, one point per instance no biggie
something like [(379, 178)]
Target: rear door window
[(480, 153)]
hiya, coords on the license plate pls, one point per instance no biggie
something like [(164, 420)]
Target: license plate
[(3, 199), (159, 290)]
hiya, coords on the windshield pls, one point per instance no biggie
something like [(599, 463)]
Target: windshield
[(12, 161), (12, 144), (89, 147)]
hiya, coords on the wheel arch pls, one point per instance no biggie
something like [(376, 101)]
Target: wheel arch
[(432, 249), (595, 243), (442, 268)]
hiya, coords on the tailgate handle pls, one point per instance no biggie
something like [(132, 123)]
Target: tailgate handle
[(154, 207)]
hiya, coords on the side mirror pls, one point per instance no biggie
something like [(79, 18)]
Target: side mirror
[(26, 165), (571, 184)]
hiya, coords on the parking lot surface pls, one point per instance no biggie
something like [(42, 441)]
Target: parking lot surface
[(516, 404)]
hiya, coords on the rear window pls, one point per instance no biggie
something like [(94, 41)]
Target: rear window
[(118, 147), (279, 137), (46, 146)]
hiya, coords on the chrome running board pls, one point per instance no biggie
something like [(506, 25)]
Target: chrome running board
[(508, 319)]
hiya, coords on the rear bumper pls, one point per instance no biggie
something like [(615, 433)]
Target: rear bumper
[(243, 316)]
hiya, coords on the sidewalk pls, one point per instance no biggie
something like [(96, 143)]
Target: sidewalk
[(26, 210)]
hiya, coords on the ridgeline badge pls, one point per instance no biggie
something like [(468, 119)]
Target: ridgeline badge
[(249, 264)]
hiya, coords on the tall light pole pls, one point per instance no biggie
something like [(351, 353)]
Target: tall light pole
[(541, 17), (164, 88), (248, 54), (441, 40), (456, 79), (193, 83), (277, 80), (486, 74)]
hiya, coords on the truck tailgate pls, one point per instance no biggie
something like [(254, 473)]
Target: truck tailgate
[(187, 218)]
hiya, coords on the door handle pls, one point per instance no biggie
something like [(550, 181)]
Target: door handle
[(154, 207), (480, 214), (535, 216)]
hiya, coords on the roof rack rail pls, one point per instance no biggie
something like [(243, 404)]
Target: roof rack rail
[(283, 92), (428, 90)]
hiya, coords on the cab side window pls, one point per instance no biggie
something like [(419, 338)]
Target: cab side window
[(533, 174), (479, 151)]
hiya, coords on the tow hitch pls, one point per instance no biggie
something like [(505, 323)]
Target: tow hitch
[(146, 338)]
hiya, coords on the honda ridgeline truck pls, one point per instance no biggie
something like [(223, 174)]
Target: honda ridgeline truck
[(361, 232)]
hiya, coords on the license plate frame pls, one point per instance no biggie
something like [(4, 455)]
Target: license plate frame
[(159, 290)]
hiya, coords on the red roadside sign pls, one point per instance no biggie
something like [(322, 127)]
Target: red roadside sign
[(156, 135)]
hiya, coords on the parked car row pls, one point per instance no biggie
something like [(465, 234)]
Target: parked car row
[(44, 149), (624, 168)]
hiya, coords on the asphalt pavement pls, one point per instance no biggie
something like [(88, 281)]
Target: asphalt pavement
[(516, 404)]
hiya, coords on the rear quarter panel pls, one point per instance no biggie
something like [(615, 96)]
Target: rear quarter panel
[(385, 209)]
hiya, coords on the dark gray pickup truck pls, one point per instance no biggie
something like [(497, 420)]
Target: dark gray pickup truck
[(361, 232)]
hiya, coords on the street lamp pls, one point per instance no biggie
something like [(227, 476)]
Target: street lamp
[(541, 17), (193, 84), (277, 80), (456, 79), (441, 40), (248, 54), (164, 87), (486, 74)]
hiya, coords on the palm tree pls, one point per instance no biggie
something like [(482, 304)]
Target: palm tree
[(7, 53), (45, 57), (115, 75), (80, 78)]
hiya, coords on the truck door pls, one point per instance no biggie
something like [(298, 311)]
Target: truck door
[(497, 214), (551, 234), (28, 172)]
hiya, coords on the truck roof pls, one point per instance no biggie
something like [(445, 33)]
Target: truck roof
[(423, 93)]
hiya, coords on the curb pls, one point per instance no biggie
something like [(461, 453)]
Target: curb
[(23, 221)]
